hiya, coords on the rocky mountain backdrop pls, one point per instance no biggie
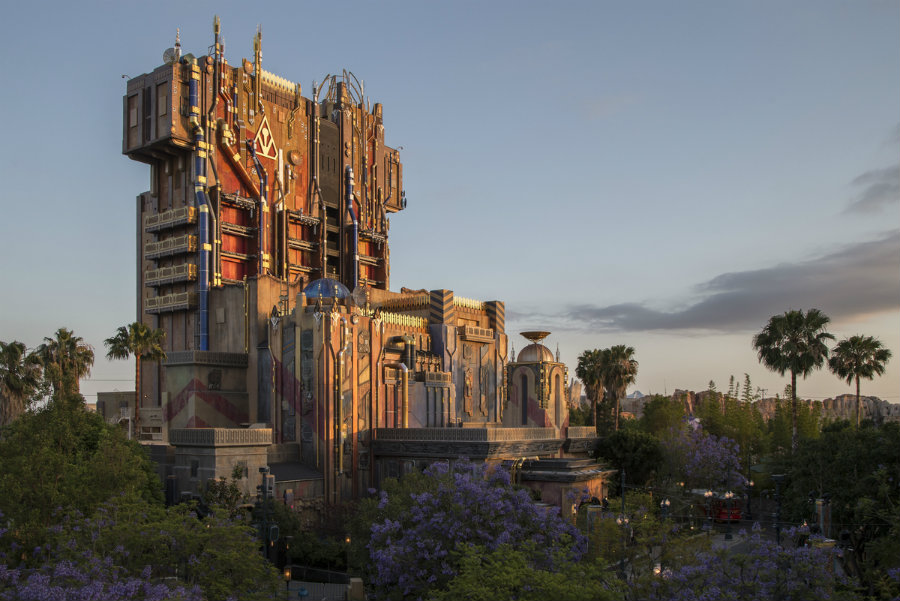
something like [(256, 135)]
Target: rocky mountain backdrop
[(840, 407)]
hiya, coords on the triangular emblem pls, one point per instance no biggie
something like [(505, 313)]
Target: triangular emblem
[(264, 141)]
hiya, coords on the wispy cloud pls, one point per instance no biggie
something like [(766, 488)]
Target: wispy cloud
[(851, 282), (879, 189)]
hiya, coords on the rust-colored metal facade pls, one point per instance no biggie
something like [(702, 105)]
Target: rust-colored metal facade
[(263, 254)]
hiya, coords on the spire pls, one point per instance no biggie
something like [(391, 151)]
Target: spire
[(557, 353), (512, 354), (177, 44)]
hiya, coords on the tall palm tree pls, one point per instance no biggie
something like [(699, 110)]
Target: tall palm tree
[(20, 378), (139, 340), (66, 359), (858, 357), (619, 369), (794, 341), (588, 371)]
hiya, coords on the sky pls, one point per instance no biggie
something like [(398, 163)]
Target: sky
[(664, 175)]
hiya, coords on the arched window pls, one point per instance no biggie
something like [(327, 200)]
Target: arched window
[(557, 400), (524, 386)]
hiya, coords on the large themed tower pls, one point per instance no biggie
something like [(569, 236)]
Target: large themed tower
[(255, 190)]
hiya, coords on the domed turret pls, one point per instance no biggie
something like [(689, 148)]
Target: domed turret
[(325, 288), (535, 353)]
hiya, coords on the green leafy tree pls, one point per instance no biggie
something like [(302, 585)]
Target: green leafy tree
[(857, 470), (858, 357), (619, 369), (589, 372), (661, 414), (638, 452), (508, 573), (794, 342), (66, 359), (138, 340), (747, 390), (65, 457), (20, 379), (218, 554)]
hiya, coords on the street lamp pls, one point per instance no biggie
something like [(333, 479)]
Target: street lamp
[(622, 521), (779, 480), (749, 487), (664, 508), (347, 543), (708, 495), (728, 497), (287, 581)]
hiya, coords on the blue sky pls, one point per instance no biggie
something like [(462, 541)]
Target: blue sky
[(658, 174)]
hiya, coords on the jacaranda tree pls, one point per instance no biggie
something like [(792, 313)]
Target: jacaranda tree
[(420, 527)]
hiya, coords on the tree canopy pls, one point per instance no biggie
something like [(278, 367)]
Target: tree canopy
[(419, 527), (858, 357), (794, 342)]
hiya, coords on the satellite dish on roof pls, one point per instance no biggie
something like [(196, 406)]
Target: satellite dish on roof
[(169, 56)]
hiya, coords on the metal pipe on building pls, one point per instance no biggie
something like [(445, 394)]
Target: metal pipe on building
[(353, 216), (339, 393), (202, 206), (262, 227)]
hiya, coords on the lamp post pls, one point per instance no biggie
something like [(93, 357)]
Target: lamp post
[(347, 544), (287, 581), (728, 499), (779, 480), (749, 499), (664, 508), (622, 521), (708, 495)]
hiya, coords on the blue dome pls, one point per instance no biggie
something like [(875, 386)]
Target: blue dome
[(326, 288)]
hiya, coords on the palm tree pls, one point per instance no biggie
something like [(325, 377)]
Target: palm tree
[(588, 371), (619, 369), (794, 342), (20, 378), (858, 357), (66, 359), (144, 343)]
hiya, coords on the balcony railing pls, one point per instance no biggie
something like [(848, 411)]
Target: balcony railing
[(182, 301), (170, 246), (170, 218), (186, 272), (582, 432), (465, 434), (476, 334)]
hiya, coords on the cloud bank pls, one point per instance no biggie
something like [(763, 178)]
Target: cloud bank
[(853, 281), (879, 189)]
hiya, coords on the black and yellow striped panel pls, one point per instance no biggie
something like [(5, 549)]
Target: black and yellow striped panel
[(442, 309), (496, 311)]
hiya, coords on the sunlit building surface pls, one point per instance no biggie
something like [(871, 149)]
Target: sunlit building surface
[(263, 253)]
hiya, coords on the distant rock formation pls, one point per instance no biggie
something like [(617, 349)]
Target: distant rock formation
[(842, 406)]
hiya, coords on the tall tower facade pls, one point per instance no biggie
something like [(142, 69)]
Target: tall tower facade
[(255, 190)]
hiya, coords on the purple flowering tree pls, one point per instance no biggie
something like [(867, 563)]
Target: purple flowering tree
[(702, 460), (758, 570), (420, 527), (131, 550)]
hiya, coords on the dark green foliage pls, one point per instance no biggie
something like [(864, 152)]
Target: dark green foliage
[(638, 452), (860, 471), (218, 554), (507, 573), (66, 457), (661, 414)]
